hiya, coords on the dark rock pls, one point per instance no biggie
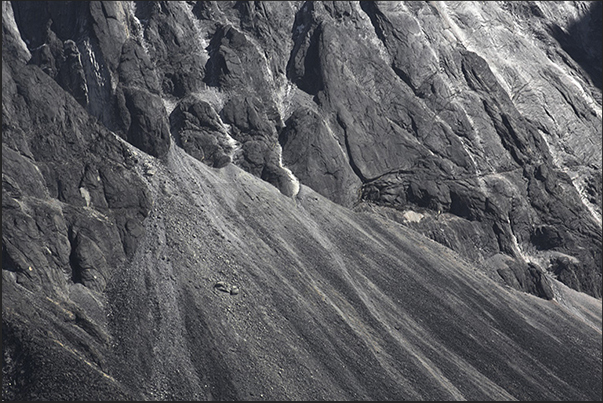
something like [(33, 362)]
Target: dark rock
[(546, 237), (200, 145), (504, 236), (135, 68), (35, 244), (525, 277), (198, 129), (116, 180), (257, 133), (466, 201), (540, 285), (583, 43), (194, 113), (20, 175), (303, 67), (269, 23), (464, 160), (173, 44), (412, 59), (430, 194), (234, 62), (571, 272), (44, 58), (313, 154), (422, 104), (92, 188), (72, 76), (88, 262), (280, 177), (248, 116), (148, 129), (255, 154), (227, 287), (62, 163)]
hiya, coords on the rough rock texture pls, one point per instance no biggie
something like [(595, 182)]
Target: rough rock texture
[(198, 129), (301, 200)]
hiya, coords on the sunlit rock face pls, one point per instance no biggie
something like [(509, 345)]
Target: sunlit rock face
[(301, 200)]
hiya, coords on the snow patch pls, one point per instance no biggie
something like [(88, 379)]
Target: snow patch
[(138, 28), (94, 63), (412, 216), (284, 95), (169, 105), (292, 179), (203, 42), (230, 142), (86, 195), (578, 181), (213, 96)]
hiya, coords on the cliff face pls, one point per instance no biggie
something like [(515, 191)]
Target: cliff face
[(301, 200)]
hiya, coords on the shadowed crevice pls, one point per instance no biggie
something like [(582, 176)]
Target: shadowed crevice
[(582, 42)]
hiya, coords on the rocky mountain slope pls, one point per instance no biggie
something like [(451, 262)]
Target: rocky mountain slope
[(301, 200)]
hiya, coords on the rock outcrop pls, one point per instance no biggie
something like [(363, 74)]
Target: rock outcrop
[(400, 200)]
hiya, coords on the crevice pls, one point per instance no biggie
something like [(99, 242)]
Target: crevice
[(377, 20), (8, 262), (371, 10), (304, 69), (76, 273), (582, 42), (504, 131), (353, 165)]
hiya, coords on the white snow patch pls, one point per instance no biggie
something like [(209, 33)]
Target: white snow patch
[(293, 180), (203, 42), (86, 195), (94, 63), (138, 28), (213, 96), (412, 216), (169, 105), (230, 142), (578, 183)]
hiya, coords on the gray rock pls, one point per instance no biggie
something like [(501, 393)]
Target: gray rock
[(472, 124), (406, 116), (198, 129), (172, 38), (316, 158), (88, 263), (227, 287), (148, 129), (222, 286), (72, 76)]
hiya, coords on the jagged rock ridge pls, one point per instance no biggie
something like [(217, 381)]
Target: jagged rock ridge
[(475, 124)]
